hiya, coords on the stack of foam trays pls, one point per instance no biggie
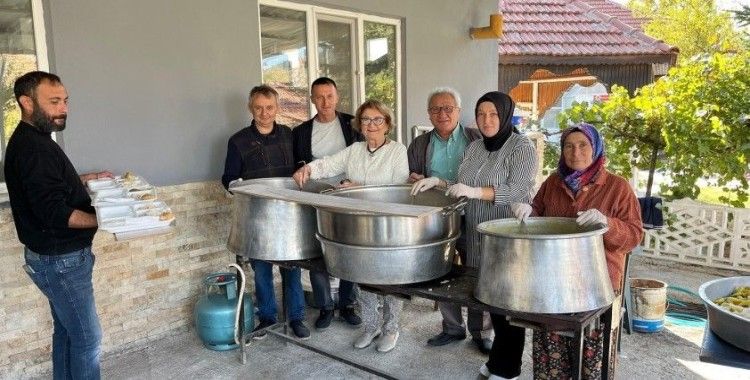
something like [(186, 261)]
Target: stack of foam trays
[(128, 204)]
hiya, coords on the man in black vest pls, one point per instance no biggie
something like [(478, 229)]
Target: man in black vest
[(262, 150), (328, 132), (55, 222)]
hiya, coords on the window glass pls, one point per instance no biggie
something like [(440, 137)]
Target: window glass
[(335, 59), (17, 57), (380, 64), (284, 45)]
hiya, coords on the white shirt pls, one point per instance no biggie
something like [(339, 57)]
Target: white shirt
[(327, 138), (388, 165)]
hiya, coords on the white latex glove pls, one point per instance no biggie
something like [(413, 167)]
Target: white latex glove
[(231, 183), (461, 190), (424, 185), (520, 210), (591, 217)]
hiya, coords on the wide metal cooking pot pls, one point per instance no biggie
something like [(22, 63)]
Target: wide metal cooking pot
[(727, 325), (272, 229), (546, 265), (388, 265), (369, 229)]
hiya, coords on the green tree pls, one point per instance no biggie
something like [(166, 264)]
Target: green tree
[(696, 27), (692, 124), (380, 75), (743, 15)]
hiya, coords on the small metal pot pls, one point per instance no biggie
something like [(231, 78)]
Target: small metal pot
[(546, 265), (727, 325), (377, 230), (272, 229), (388, 265)]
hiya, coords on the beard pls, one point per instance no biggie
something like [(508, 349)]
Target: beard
[(45, 122)]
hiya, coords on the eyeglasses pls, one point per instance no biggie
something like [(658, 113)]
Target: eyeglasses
[(378, 121), (446, 109)]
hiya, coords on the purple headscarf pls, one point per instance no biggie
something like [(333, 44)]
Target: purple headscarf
[(575, 179)]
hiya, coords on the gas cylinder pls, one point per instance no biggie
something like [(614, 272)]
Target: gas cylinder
[(215, 312)]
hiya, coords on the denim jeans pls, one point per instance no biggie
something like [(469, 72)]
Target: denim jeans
[(264, 294), (66, 282), (321, 288)]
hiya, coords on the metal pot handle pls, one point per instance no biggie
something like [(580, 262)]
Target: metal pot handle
[(456, 207)]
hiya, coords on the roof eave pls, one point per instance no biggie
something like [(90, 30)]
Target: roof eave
[(628, 59)]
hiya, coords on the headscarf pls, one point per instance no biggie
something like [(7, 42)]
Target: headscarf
[(504, 106), (575, 179)]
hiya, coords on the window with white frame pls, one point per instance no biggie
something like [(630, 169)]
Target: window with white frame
[(22, 49), (360, 52)]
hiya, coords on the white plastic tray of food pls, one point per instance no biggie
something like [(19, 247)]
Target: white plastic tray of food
[(120, 196), (101, 184), (133, 182), (108, 184), (118, 219)]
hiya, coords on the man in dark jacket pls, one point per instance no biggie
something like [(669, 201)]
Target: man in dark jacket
[(55, 222), (262, 150), (328, 132), (434, 158)]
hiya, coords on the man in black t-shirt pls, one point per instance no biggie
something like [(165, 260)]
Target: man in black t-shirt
[(55, 222)]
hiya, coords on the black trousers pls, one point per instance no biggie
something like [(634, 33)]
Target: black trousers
[(321, 288), (507, 348)]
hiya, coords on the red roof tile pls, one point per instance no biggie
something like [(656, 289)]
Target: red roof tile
[(574, 28)]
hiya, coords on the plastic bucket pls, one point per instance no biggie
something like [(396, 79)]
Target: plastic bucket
[(649, 303)]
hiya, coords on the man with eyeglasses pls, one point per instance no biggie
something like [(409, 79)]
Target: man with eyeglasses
[(328, 132), (433, 162)]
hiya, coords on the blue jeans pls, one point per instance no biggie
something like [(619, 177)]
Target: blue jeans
[(295, 301), (66, 282), (321, 288)]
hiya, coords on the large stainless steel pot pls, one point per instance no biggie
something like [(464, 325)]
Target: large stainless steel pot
[(388, 265), (547, 265), (272, 229), (368, 229), (727, 325)]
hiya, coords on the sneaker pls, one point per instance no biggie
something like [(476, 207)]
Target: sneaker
[(300, 330), (484, 371), (350, 316), (387, 342), (262, 326), (484, 345), (324, 320), (444, 338), (366, 338)]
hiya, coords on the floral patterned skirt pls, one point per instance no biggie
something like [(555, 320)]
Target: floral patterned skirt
[(554, 355)]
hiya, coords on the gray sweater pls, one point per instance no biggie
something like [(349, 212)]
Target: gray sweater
[(420, 154)]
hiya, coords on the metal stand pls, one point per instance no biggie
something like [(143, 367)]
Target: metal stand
[(247, 337), (459, 290)]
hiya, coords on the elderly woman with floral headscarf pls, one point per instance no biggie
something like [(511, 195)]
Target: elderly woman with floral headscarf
[(583, 188)]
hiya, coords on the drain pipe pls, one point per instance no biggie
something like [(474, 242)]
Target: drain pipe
[(493, 31)]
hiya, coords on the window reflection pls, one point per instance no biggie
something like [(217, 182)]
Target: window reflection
[(284, 64), (380, 64), (17, 57)]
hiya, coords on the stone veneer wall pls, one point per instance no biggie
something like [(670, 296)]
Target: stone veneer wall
[(145, 288)]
